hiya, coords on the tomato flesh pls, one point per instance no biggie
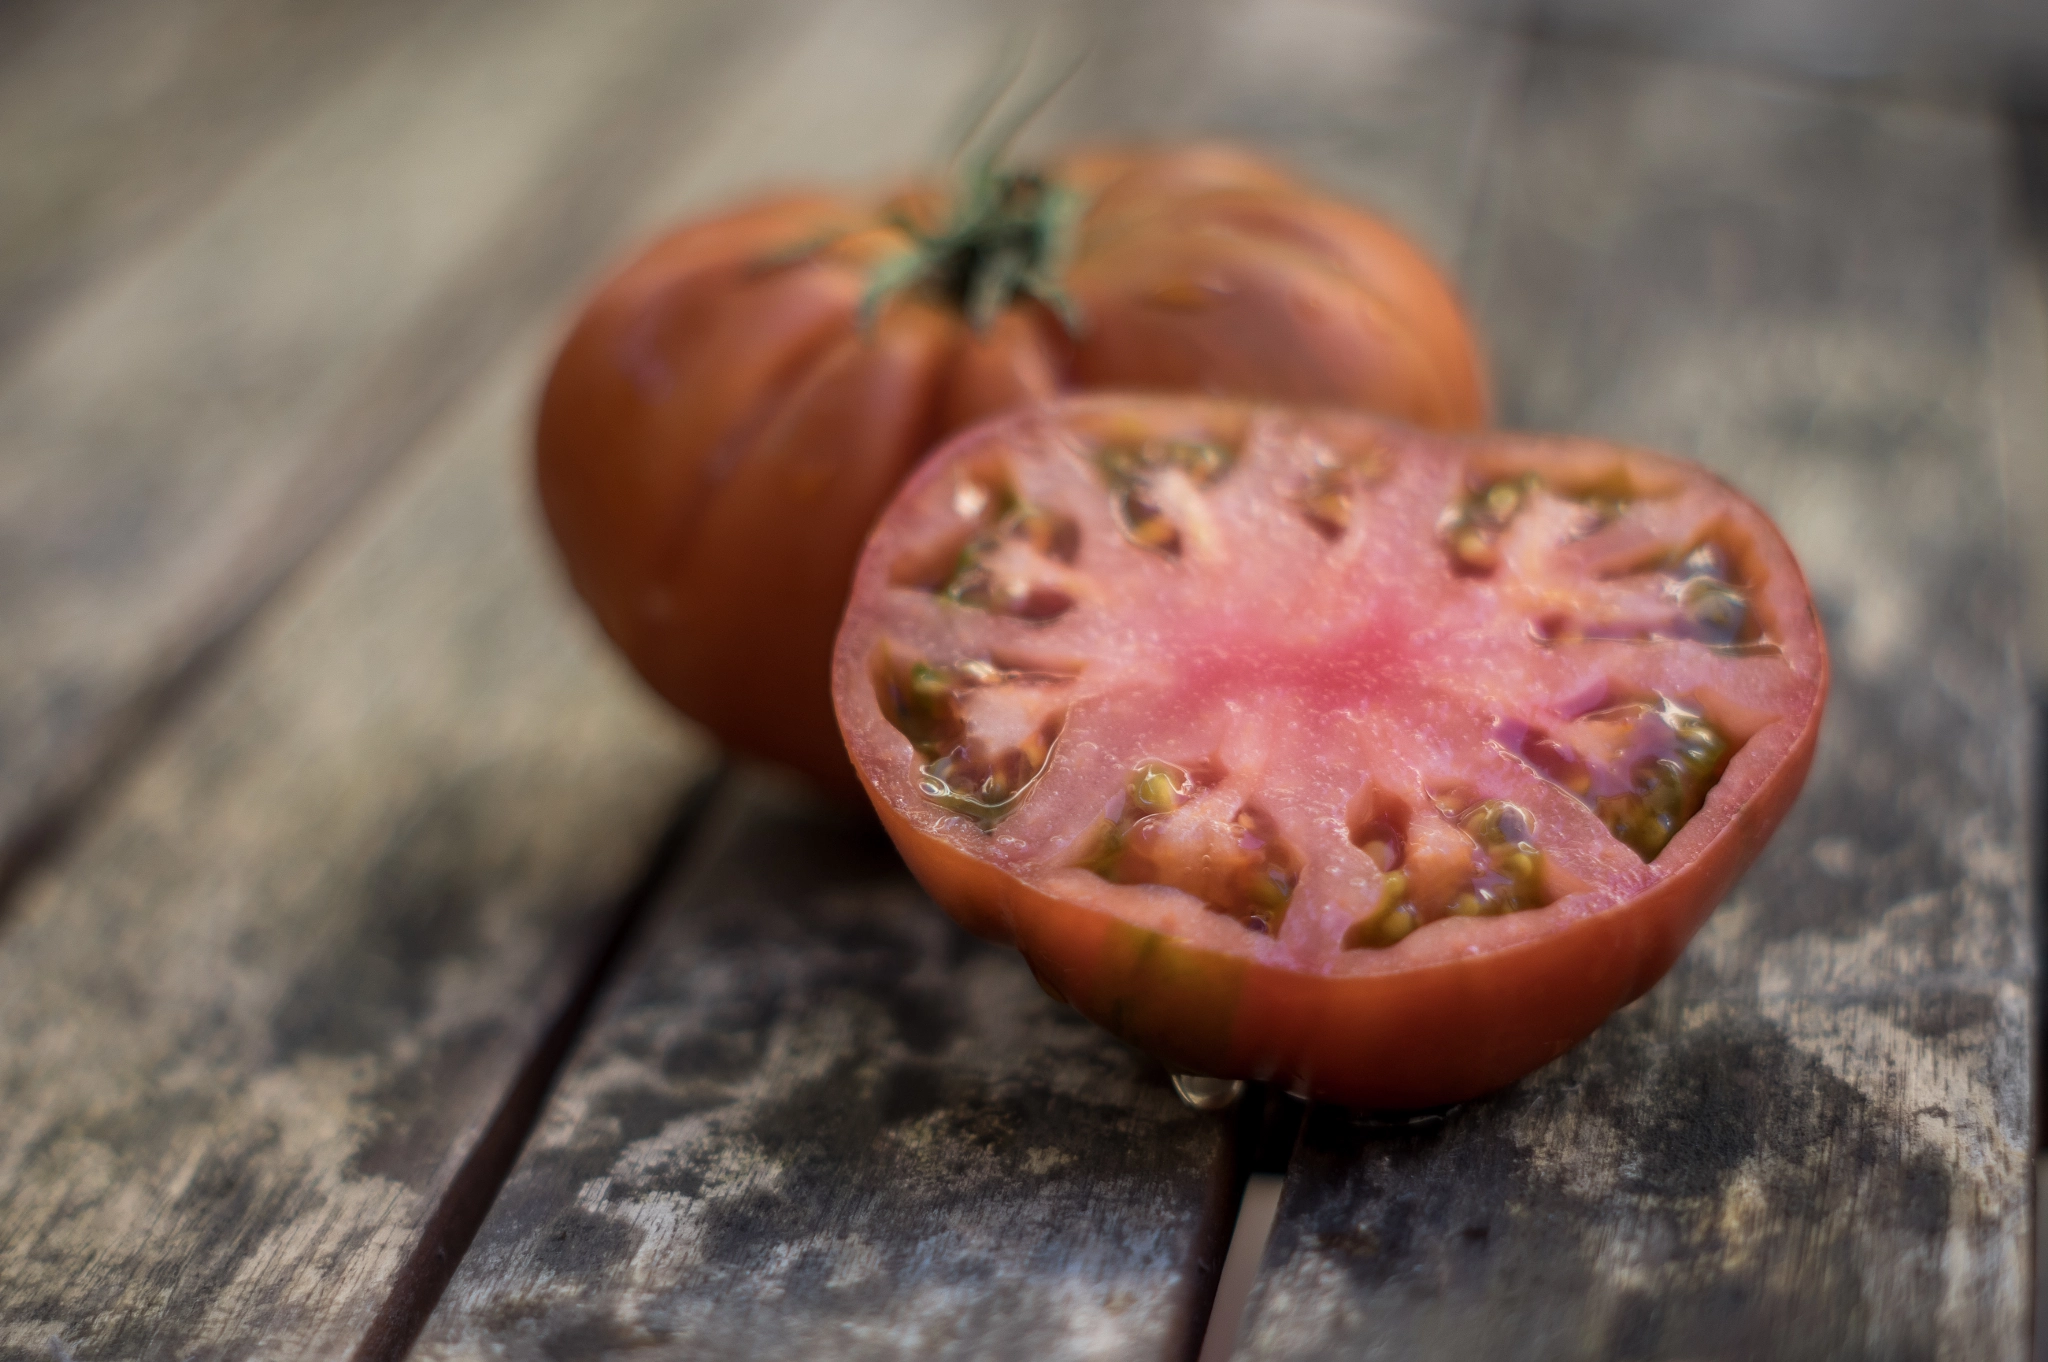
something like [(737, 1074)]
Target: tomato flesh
[(1311, 747)]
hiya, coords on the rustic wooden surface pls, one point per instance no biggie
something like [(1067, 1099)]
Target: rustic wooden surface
[(820, 1120), (181, 93), (322, 809), (209, 403), (2020, 331), (258, 1017), (1383, 102), (1814, 1139), (1957, 48)]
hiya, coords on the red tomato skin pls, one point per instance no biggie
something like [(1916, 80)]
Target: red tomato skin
[(719, 431), (1447, 1030)]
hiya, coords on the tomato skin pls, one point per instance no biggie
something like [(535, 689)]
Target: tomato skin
[(719, 429), (1479, 1003)]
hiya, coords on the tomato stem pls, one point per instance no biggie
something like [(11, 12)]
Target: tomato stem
[(1009, 236)]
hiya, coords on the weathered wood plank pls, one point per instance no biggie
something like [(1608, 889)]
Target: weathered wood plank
[(1383, 101), (119, 119), (1975, 49), (179, 435), (1813, 1139), (258, 1016), (2020, 384), (821, 1120)]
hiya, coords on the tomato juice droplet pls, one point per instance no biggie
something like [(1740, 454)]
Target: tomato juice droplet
[(1288, 779), (1208, 1094)]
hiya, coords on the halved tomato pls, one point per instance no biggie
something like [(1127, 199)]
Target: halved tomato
[(1314, 748)]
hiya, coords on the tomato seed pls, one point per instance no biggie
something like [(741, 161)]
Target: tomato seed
[(1646, 771), (1712, 610), (1385, 927), (1237, 867), (1132, 470), (1327, 496), (1471, 526), (1005, 566)]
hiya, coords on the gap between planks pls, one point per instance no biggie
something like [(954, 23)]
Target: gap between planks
[(449, 1228), (1266, 1124), (1268, 1127)]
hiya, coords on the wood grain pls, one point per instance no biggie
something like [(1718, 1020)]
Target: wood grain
[(119, 120), (1812, 1140), (1976, 50), (255, 1020), (1383, 102), (819, 1119), (188, 426)]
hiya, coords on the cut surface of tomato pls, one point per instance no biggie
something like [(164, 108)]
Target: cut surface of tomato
[(1309, 747)]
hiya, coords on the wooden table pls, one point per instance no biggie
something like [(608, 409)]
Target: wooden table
[(382, 972)]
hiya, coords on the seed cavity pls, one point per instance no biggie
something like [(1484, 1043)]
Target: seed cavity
[(1166, 828), (1512, 877), (985, 733), (1505, 865), (1336, 479), (1391, 920), (1379, 828), (1643, 767), (1383, 843), (1002, 569), (1471, 527), (1156, 485), (1010, 559), (1711, 605), (1694, 595)]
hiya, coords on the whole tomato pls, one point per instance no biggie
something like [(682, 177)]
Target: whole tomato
[(1309, 747), (736, 404)]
